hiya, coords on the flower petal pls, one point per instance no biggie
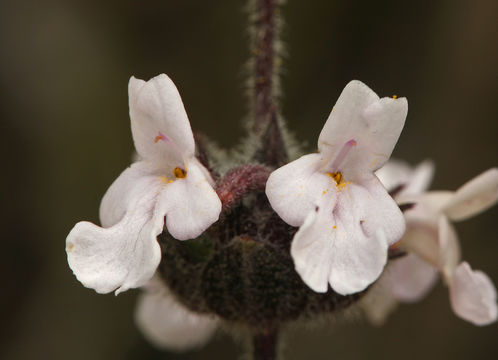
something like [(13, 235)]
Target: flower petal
[(394, 173), (421, 238), (169, 325), (374, 124), (159, 123), (378, 303), (473, 296), (420, 178), (398, 173), (346, 242), (360, 264), (190, 205), (117, 198), (377, 209), (311, 250), (124, 255), (474, 197), (449, 248), (294, 189), (411, 278)]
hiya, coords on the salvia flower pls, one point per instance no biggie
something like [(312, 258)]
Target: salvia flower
[(432, 243), (169, 325), (167, 182), (346, 217)]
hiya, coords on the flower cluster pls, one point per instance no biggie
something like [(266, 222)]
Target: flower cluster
[(432, 243), (348, 220)]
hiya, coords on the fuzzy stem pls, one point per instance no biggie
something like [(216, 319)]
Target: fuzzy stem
[(265, 345), (264, 80), (263, 72)]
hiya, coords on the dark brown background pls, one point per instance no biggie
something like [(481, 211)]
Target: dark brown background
[(64, 68)]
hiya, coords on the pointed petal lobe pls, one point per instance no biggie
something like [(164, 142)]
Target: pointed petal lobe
[(474, 197), (473, 296)]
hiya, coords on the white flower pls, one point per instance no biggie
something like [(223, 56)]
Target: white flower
[(433, 243), (347, 220), (169, 325), (167, 181)]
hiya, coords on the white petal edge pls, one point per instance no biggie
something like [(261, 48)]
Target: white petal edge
[(474, 197), (190, 205), (124, 255), (167, 324), (473, 296)]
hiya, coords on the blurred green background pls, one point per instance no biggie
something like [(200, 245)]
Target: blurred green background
[(64, 68)]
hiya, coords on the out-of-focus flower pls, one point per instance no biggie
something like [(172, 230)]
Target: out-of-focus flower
[(168, 181), (347, 219), (432, 244), (169, 325)]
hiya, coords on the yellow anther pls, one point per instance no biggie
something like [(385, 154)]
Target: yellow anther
[(395, 97), (180, 173), (339, 180), (337, 176), (324, 192), (334, 227)]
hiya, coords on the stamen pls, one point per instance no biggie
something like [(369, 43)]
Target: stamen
[(169, 142), (395, 97), (337, 176), (180, 173), (342, 154), (339, 180)]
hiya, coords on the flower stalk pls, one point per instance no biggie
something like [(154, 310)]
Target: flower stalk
[(264, 81), (265, 345), (264, 106)]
